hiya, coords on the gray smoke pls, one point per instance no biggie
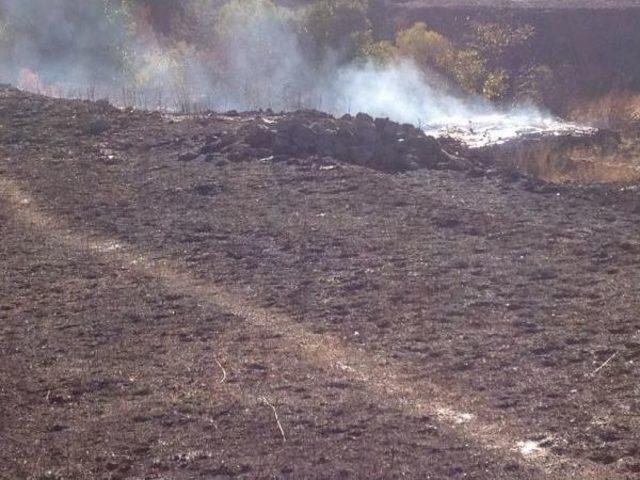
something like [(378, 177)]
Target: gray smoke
[(255, 61), (65, 42)]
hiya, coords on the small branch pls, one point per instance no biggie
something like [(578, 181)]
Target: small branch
[(605, 363), (224, 372), (275, 414)]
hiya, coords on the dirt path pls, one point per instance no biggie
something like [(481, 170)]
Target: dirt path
[(384, 379)]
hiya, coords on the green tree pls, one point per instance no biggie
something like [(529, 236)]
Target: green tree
[(536, 84), (495, 41), (471, 67), (496, 85), (367, 48), (329, 26), (469, 70), (464, 68), (424, 46), (500, 46)]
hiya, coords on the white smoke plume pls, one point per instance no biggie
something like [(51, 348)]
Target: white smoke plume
[(58, 47), (63, 41)]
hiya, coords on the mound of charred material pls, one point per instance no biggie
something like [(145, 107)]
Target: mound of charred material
[(376, 143)]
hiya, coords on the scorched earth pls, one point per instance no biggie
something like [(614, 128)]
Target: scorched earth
[(177, 303)]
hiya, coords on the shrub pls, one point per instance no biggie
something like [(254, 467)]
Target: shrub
[(367, 48), (425, 47), (496, 85), (535, 84), (329, 25), (494, 41), (466, 68)]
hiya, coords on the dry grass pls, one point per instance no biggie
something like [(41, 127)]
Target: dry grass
[(616, 110)]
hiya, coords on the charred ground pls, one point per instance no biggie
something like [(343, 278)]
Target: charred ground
[(358, 295)]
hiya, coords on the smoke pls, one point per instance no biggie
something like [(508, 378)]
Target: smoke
[(400, 91), (252, 58), (262, 63), (63, 41)]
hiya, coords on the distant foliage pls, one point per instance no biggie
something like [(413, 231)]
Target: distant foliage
[(425, 46), (367, 48), (475, 66), (469, 70), (235, 12), (138, 40), (494, 41), (498, 45), (496, 85), (536, 84), (328, 27)]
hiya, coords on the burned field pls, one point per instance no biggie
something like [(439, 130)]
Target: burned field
[(253, 296)]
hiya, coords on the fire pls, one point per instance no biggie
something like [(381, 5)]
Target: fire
[(30, 81)]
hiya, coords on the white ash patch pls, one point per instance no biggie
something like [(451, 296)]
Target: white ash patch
[(107, 247), (455, 416), (495, 129), (533, 448), (346, 368)]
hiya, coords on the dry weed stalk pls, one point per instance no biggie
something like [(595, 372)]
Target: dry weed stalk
[(275, 414), (606, 362), (224, 372)]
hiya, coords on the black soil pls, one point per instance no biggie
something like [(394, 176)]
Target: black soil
[(507, 293)]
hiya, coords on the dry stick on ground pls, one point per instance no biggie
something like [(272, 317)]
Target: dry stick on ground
[(605, 363), (224, 372), (275, 414)]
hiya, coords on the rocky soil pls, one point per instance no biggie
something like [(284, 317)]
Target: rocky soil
[(268, 296)]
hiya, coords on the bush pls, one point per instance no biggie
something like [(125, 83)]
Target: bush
[(465, 68), (496, 85), (535, 84), (329, 25), (425, 47), (495, 41), (367, 48), (468, 69)]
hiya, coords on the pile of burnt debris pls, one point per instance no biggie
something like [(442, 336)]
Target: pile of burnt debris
[(388, 146), (381, 144), (375, 143)]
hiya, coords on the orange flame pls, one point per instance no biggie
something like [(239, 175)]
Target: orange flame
[(29, 81)]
